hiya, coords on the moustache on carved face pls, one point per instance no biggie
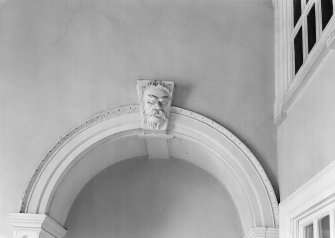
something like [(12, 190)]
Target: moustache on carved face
[(157, 113)]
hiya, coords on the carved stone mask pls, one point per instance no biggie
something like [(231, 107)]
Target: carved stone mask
[(155, 100)]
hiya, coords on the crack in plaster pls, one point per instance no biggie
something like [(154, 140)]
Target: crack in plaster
[(67, 26)]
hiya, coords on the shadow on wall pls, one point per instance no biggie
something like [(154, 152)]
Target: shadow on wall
[(153, 198)]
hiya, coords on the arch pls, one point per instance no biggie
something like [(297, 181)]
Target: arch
[(215, 149)]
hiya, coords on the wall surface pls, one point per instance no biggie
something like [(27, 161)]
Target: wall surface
[(153, 198), (66, 60), (306, 137)]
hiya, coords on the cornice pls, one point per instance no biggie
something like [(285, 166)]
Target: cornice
[(314, 199), (263, 232), (313, 187), (39, 222)]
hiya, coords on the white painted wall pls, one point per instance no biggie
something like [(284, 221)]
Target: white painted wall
[(63, 61), (153, 198), (306, 137)]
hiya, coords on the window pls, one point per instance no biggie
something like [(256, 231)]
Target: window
[(298, 50), (311, 28), (296, 10), (309, 231), (324, 229), (317, 225), (327, 11), (304, 35), (310, 18)]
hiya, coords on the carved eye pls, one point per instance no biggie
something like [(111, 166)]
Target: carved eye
[(164, 102)]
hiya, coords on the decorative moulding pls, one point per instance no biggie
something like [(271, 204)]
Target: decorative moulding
[(315, 196), (242, 147), (255, 193), (68, 136), (263, 232), (27, 225), (155, 98), (330, 38)]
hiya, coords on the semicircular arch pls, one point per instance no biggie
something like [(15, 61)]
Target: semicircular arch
[(213, 148)]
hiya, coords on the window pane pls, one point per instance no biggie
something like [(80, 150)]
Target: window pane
[(309, 231), (311, 28), (324, 227), (296, 10), (326, 11), (298, 51)]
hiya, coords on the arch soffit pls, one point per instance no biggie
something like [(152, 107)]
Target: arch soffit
[(184, 124)]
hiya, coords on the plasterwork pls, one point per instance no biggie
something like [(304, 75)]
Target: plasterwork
[(155, 98), (131, 109), (72, 133), (263, 232), (35, 225), (241, 147)]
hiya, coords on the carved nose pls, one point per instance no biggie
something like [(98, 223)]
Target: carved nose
[(157, 106)]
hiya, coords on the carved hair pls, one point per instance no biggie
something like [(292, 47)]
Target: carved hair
[(150, 115), (158, 84)]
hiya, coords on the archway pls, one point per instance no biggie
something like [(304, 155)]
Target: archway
[(227, 159)]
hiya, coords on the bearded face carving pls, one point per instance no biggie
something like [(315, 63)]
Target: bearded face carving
[(155, 101)]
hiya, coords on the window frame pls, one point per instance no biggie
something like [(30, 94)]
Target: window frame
[(289, 84), (302, 22), (314, 217)]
